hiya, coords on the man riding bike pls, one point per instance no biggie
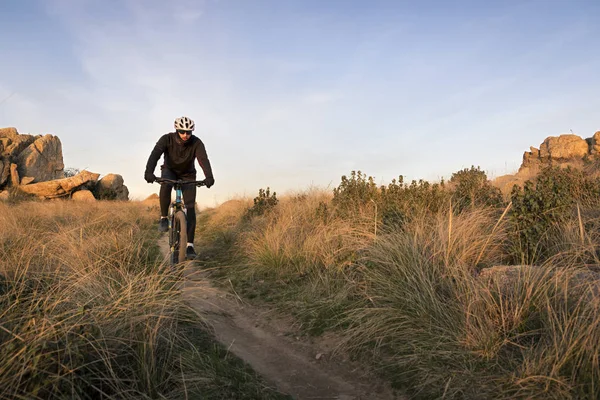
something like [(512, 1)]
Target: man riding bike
[(180, 148)]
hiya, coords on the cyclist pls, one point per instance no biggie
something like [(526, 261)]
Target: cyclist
[(180, 148)]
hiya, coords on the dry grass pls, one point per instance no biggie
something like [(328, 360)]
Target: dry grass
[(221, 224), (411, 300), (87, 310), (291, 240)]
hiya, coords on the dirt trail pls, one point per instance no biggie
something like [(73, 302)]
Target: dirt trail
[(305, 370)]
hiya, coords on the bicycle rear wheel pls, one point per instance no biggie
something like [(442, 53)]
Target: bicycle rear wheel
[(178, 237)]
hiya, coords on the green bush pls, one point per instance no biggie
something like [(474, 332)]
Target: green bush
[(538, 209), (353, 193), (472, 188), (264, 202), (399, 201)]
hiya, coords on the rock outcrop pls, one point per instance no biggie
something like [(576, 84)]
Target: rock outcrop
[(594, 143), (61, 187), (38, 157), (557, 150), (83, 195), (563, 151), (34, 165), (42, 159), (563, 147), (111, 187)]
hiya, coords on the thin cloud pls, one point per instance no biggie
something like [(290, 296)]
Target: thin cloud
[(320, 98)]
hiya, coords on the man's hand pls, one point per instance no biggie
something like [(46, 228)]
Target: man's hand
[(149, 177), (209, 182)]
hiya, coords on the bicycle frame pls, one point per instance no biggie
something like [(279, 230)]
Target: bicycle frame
[(178, 203), (177, 222)]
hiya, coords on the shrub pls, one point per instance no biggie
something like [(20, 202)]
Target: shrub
[(400, 202), (393, 204), (354, 193), (540, 208), (472, 188), (264, 202)]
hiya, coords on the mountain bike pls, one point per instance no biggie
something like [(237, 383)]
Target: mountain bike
[(177, 220)]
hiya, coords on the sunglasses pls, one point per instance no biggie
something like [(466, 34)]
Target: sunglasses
[(188, 133)]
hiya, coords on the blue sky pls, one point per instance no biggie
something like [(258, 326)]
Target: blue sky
[(295, 93)]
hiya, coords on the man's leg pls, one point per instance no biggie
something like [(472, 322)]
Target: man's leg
[(189, 199), (165, 198)]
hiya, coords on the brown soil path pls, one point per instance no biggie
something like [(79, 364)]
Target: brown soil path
[(304, 369)]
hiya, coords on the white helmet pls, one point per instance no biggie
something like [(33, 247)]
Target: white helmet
[(184, 124)]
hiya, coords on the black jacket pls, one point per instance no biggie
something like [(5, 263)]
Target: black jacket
[(180, 155)]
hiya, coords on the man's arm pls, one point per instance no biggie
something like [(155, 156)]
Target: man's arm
[(202, 158), (158, 151)]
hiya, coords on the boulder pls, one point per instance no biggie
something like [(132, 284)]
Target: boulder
[(42, 159), (564, 147), (60, 187), (4, 195), (83, 195), (111, 187), (595, 144)]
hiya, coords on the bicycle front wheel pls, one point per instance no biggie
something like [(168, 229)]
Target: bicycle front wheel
[(178, 237)]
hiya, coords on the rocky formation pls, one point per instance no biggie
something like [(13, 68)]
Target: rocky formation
[(42, 159), (83, 195), (60, 187), (111, 187), (38, 157), (564, 150), (558, 150), (34, 165)]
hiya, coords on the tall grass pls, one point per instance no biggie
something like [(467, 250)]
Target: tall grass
[(87, 310), (429, 303)]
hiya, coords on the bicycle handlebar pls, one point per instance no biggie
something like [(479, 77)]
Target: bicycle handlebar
[(180, 182)]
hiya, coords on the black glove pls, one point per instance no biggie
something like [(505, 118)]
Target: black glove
[(209, 182), (149, 177)]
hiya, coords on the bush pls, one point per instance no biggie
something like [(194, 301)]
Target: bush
[(393, 204), (472, 188), (400, 202), (540, 208), (354, 193), (264, 202)]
